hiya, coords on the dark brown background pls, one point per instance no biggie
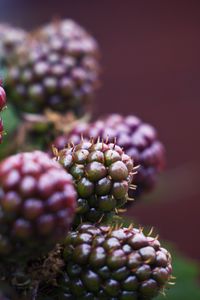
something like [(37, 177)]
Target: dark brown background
[(151, 67)]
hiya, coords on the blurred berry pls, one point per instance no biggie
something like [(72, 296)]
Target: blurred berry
[(37, 203), (56, 69)]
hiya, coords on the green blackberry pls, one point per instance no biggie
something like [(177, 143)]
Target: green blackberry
[(113, 263), (102, 174), (56, 69)]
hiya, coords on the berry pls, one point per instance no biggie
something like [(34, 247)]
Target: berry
[(57, 69), (102, 174), (113, 263), (2, 105), (10, 39), (37, 203), (2, 98), (139, 140)]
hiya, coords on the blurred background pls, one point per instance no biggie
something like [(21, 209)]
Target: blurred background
[(151, 68)]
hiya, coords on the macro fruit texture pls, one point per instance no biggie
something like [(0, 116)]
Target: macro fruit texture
[(139, 140), (106, 263), (10, 39), (102, 174), (2, 106), (56, 69), (37, 203)]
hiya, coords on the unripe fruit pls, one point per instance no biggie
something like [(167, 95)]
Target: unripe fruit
[(113, 263), (102, 174)]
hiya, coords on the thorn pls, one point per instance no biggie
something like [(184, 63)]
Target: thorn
[(121, 210), (110, 230), (141, 229), (116, 227), (134, 173), (136, 167), (99, 221), (132, 188), (55, 151), (130, 226), (151, 231), (147, 261), (130, 199)]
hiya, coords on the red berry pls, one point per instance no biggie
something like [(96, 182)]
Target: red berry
[(2, 98), (37, 201)]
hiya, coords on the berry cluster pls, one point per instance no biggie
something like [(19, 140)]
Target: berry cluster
[(105, 263), (139, 140), (2, 105), (54, 212), (37, 201), (57, 69), (102, 174)]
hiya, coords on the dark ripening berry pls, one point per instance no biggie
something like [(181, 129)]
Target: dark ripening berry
[(107, 263), (37, 202), (57, 69), (138, 140), (102, 174)]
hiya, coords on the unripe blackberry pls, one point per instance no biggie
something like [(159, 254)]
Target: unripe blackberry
[(37, 203), (10, 39), (139, 140), (108, 263), (57, 69), (102, 174)]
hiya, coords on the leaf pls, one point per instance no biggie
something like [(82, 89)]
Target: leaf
[(10, 121)]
